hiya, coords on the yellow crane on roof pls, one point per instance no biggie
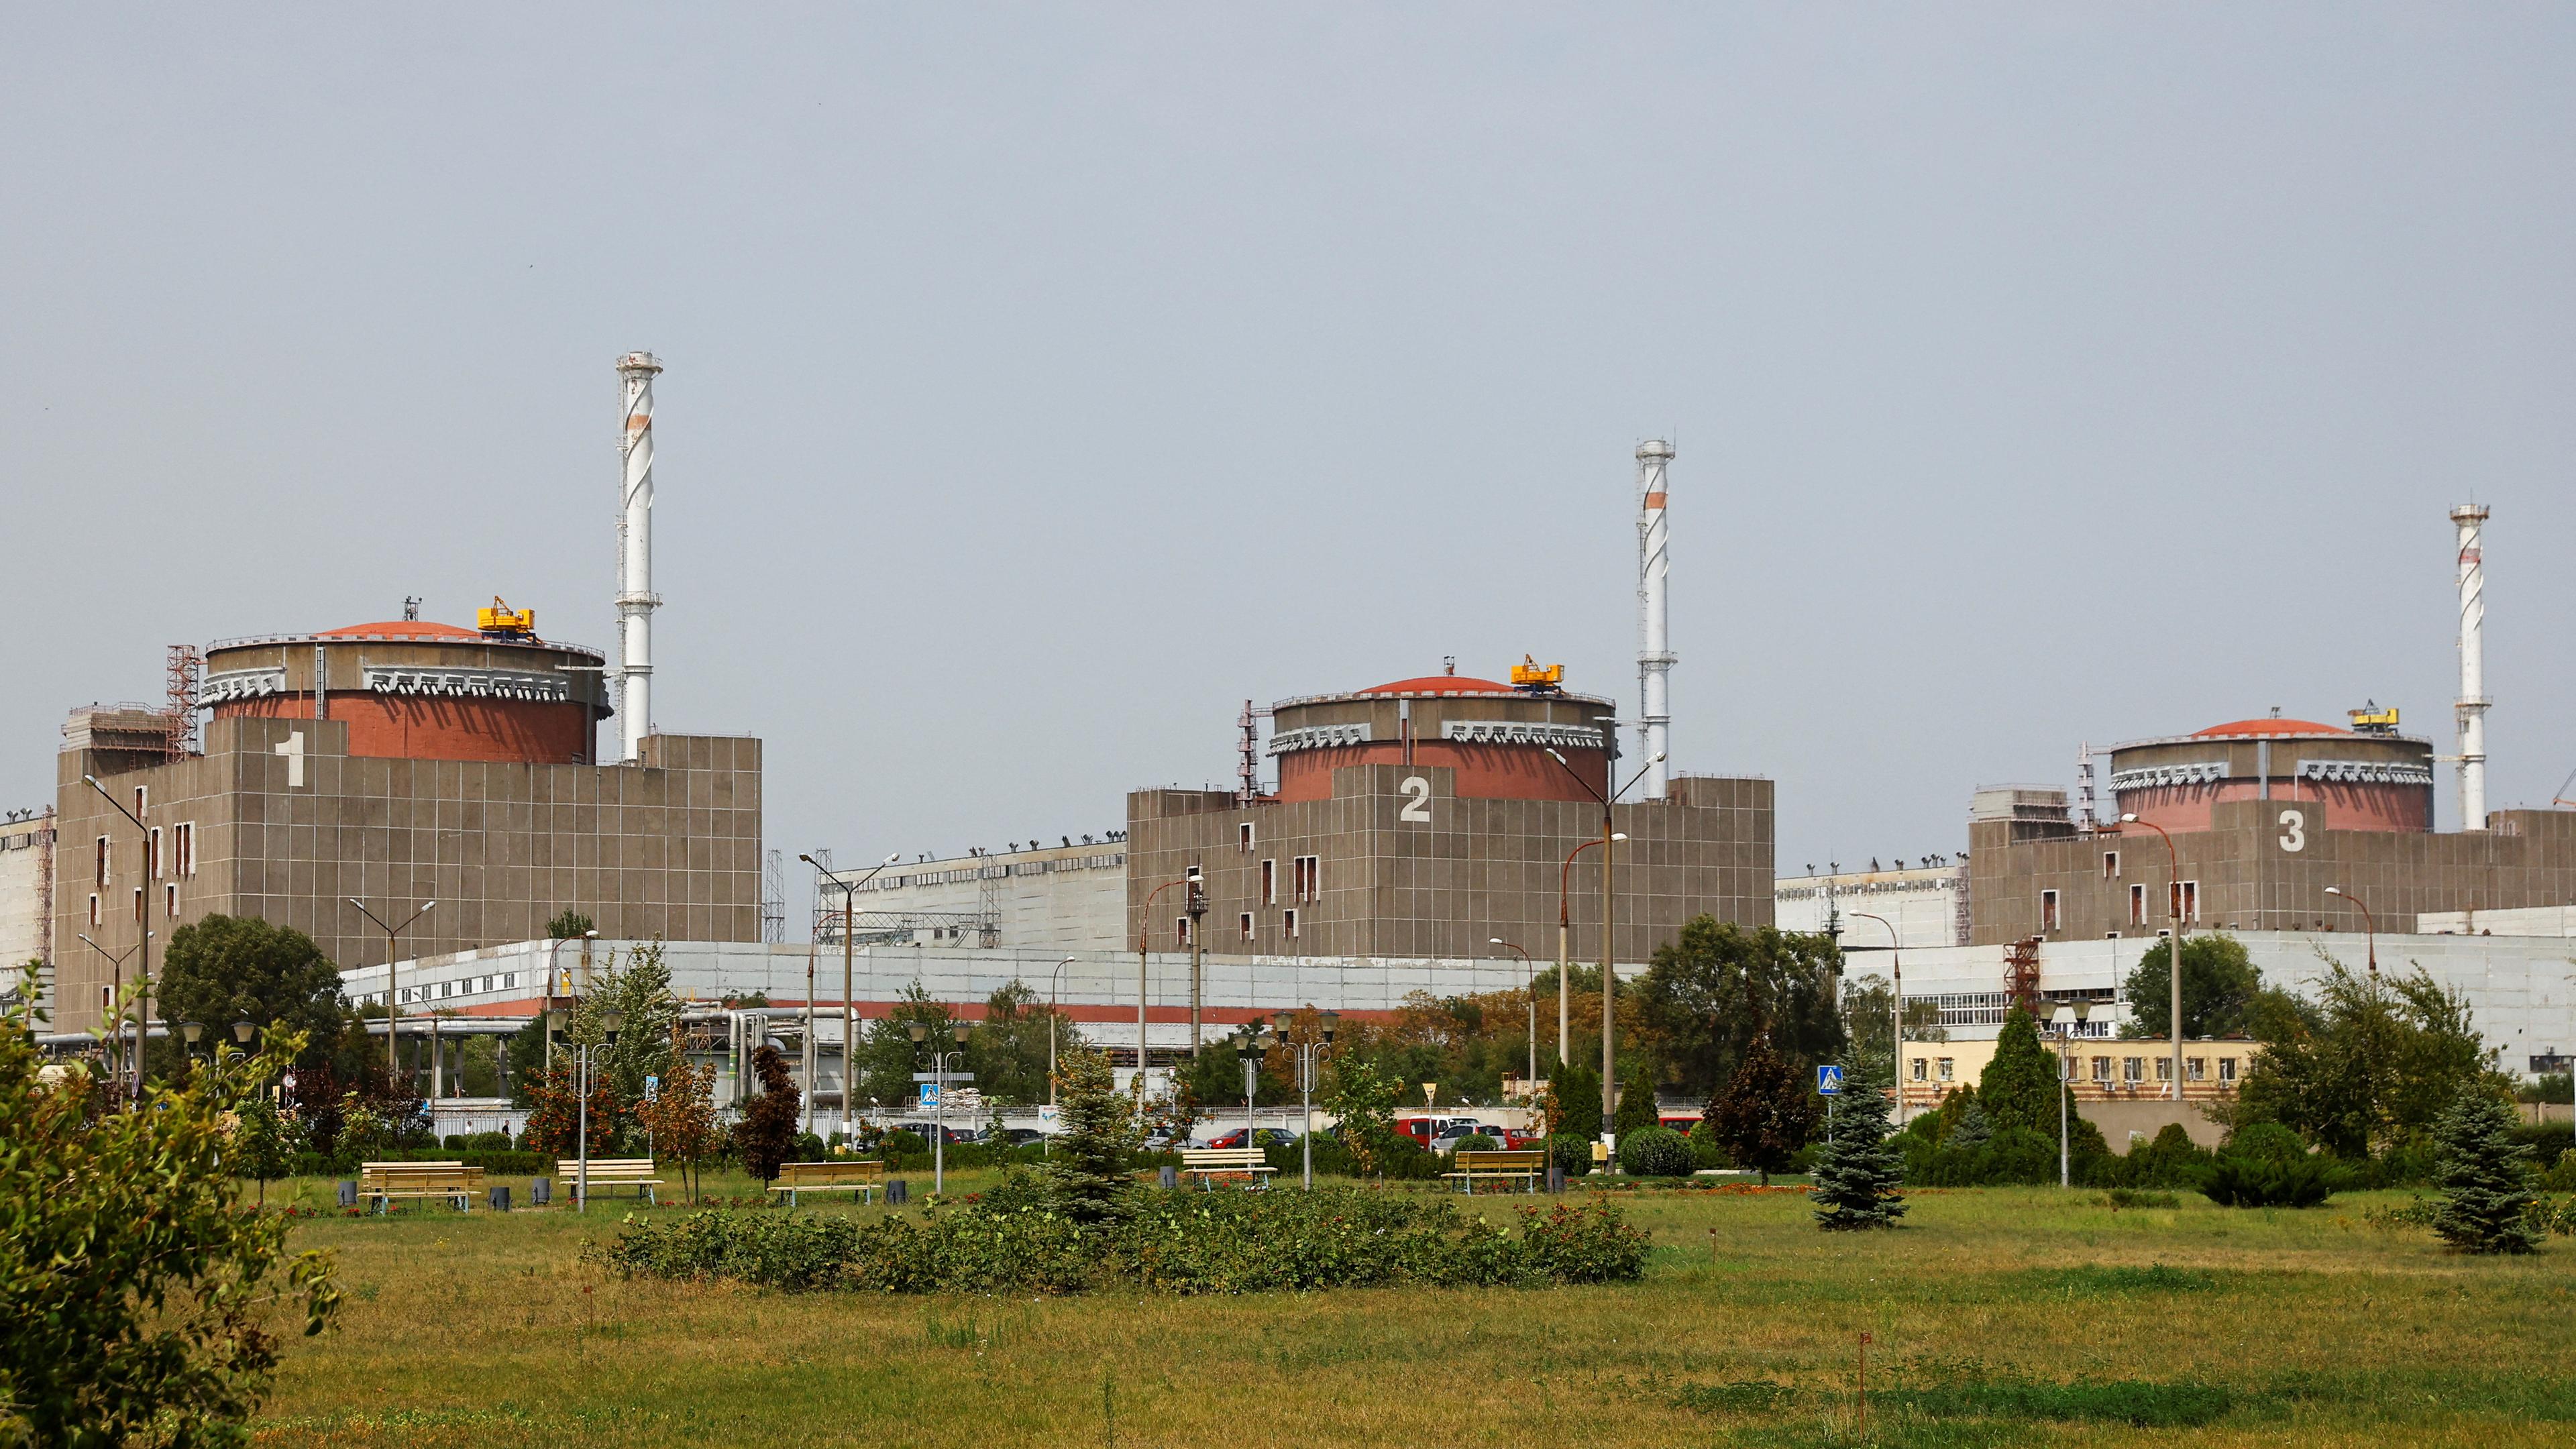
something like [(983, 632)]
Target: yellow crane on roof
[(1531, 675), (503, 622)]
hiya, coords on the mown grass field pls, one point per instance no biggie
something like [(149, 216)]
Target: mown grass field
[(1999, 1316)]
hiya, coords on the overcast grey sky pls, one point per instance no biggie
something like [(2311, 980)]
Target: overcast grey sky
[(1044, 383)]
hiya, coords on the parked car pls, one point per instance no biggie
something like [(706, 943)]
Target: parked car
[(1268, 1137), (957, 1136), (1023, 1136)]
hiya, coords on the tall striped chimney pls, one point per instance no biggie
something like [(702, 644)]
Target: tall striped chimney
[(636, 600), (2471, 521), (1654, 643)]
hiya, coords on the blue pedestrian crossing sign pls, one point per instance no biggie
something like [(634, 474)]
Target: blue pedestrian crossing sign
[(1829, 1080), (930, 1096)]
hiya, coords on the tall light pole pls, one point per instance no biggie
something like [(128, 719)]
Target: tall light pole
[(1609, 975), (1144, 928), (609, 1022), (554, 955), (143, 904), (116, 989), (849, 1004), (2066, 1084), (939, 1069), (1255, 1040), (1055, 986), (2369, 924), (1307, 1052), (393, 996), (1564, 966), (1529, 987), (2173, 864), (1896, 1026)]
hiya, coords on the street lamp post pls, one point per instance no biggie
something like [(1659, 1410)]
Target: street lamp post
[(1896, 1026), (2369, 924), (1529, 986), (554, 954), (939, 1105), (1609, 976), (2173, 864), (143, 918), (393, 995), (1144, 928), (1256, 1039), (2065, 1084), (1564, 965), (609, 1022), (115, 990), (1055, 989), (849, 1006), (1307, 1053)]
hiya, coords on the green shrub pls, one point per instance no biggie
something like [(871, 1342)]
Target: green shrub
[(2235, 1180), (2130, 1197), (2561, 1176), (2266, 1142), (1655, 1152), (1013, 1239), (1704, 1149), (904, 1144), (1477, 1142), (1571, 1154), (2485, 1177)]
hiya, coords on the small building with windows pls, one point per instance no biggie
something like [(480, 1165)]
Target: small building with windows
[(2100, 1068)]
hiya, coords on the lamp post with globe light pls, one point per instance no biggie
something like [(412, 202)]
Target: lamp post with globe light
[(939, 1071)]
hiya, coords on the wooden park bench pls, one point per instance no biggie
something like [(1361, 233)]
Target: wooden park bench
[(379, 1183), (1207, 1164), (635, 1172), (1528, 1164), (847, 1175)]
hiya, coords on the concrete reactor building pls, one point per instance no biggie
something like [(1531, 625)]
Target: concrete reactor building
[(399, 763)]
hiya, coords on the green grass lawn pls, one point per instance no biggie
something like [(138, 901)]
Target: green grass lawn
[(1999, 1316)]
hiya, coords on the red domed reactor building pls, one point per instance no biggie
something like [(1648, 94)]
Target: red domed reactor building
[(1428, 816), (398, 763), (2252, 820)]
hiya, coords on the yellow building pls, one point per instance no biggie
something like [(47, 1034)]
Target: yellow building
[(2103, 1069)]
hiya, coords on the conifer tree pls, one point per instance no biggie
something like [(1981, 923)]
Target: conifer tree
[(2485, 1177), (1086, 1169), (1636, 1103), (1858, 1172), (2018, 1085)]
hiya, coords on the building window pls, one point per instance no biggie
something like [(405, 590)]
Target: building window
[(2137, 905), (1946, 1064), (1181, 930), (170, 905), (1243, 837), (1919, 1065), (2191, 900), (2110, 865), (1288, 924), (2195, 1069), (2133, 1069), (509, 980), (2227, 1069), (1270, 882), (142, 798), (93, 908), (138, 903), (183, 847), (1306, 879), (2048, 910), (152, 853), (2102, 1070), (1243, 924), (103, 858), (2164, 1069)]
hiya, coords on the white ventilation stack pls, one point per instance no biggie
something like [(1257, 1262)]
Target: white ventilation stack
[(1654, 643), (636, 600), (2471, 520)]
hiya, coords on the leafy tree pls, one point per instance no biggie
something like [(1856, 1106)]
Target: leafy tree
[(766, 1135), (1868, 1016), (138, 1287), (265, 1142), (1086, 1167), (556, 1120), (681, 1119), (647, 1043), (569, 925), (222, 969), (2485, 1177), (1765, 1113), (2219, 984), (1574, 1102), (1858, 1172), (1008, 1050), (2019, 1086), (1636, 1103), (888, 1056), (2372, 1063), (1716, 987), (1363, 1101)]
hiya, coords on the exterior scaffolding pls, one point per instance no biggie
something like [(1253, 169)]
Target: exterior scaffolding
[(2021, 974)]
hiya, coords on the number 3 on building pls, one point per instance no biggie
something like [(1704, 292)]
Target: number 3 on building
[(1419, 807), (2294, 831)]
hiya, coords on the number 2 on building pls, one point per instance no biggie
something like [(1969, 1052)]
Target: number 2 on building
[(1419, 807)]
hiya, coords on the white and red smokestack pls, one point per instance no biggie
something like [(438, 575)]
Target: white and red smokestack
[(635, 597), (1654, 642), (2471, 520)]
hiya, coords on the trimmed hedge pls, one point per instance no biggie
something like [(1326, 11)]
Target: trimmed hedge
[(1013, 1240)]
